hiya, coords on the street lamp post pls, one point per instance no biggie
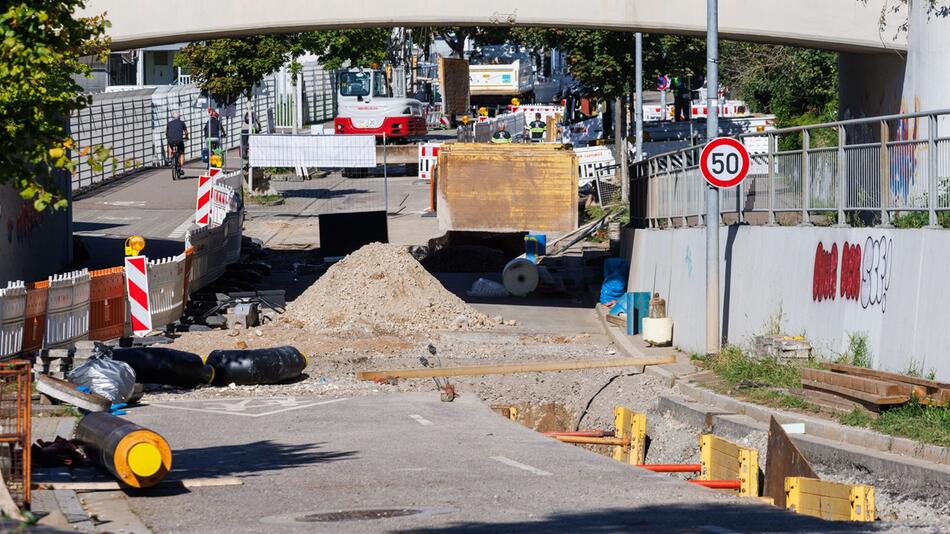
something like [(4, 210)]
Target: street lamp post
[(712, 192)]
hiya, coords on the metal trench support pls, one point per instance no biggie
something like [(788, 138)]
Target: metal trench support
[(830, 500), (628, 439)]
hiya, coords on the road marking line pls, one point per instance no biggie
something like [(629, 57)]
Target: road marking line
[(182, 228), (419, 419), (224, 412), (519, 465)]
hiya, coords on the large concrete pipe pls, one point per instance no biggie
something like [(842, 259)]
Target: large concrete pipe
[(136, 456)]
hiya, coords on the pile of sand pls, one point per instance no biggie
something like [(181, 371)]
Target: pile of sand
[(382, 289)]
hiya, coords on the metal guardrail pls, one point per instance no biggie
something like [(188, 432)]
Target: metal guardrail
[(886, 164)]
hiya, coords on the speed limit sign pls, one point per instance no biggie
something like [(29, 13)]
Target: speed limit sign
[(724, 162)]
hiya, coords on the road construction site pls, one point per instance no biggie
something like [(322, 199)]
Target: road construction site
[(329, 451)]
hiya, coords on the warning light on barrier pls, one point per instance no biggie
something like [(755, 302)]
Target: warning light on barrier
[(483, 111), (134, 245), (515, 101), (465, 119), (215, 160)]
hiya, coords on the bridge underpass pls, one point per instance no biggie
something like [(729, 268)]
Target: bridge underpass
[(841, 25)]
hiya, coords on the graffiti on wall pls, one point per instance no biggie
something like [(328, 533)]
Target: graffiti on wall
[(865, 272), (20, 226), (903, 157)]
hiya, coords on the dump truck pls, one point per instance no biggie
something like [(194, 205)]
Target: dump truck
[(496, 83)]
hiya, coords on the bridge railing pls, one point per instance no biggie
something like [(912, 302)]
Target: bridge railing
[(871, 168)]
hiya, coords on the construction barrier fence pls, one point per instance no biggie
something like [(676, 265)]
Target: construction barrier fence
[(80, 305)]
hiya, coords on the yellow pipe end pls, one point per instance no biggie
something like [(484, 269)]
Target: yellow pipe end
[(144, 459)]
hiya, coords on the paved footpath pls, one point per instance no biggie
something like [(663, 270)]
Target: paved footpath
[(310, 465)]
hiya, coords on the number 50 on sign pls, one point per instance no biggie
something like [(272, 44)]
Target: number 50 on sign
[(724, 162)]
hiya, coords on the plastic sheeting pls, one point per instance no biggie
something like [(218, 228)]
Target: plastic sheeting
[(105, 376)]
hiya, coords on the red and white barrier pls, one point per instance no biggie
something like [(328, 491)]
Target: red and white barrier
[(136, 276), (203, 208), (428, 156), (531, 109), (166, 290)]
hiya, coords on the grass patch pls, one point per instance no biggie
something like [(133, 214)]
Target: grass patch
[(927, 424), (265, 200), (858, 353), (762, 381)]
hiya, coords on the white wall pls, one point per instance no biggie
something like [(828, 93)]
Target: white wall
[(767, 269), (927, 74)]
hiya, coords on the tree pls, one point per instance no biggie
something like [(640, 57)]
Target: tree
[(41, 48), (230, 68), (334, 48)]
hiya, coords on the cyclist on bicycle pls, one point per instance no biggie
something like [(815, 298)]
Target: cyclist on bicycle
[(175, 134)]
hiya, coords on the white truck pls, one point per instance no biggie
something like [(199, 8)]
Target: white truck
[(495, 84)]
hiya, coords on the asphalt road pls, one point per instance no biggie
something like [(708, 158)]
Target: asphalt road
[(319, 465)]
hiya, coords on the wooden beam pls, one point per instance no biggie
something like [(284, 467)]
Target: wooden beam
[(871, 386), (869, 398), (112, 485), (529, 367), (929, 391)]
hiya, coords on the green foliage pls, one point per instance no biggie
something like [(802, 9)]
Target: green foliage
[(858, 353), (919, 219), (734, 366), (927, 424), (361, 47), (797, 85), (230, 68), (42, 44)]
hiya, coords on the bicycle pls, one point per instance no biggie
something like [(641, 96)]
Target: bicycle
[(177, 170)]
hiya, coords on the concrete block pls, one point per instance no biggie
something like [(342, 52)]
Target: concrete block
[(736, 427), (758, 413), (906, 447), (936, 454), (692, 413), (867, 439)]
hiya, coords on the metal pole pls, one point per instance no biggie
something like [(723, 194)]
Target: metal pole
[(385, 180), (806, 178), (662, 105), (712, 193), (638, 112), (932, 171)]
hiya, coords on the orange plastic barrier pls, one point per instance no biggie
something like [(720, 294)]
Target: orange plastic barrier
[(107, 304), (34, 325)]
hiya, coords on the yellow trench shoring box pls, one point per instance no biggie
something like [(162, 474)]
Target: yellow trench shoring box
[(630, 426), (829, 500), (507, 188), (724, 460)]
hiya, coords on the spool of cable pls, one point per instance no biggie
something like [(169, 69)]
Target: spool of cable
[(520, 276), (138, 457)]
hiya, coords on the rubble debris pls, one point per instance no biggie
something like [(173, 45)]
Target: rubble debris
[(381, 288), (257, 366), (136, 456)]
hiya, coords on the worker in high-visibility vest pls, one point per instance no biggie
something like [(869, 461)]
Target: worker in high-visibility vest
[(502, 136), (536, 128)]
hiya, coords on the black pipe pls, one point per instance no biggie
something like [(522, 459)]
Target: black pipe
[(257, 366), (138, 457), (166, 366)]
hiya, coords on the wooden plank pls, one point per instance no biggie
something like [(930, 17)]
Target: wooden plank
[(528, 367), (783, 460), (867, 385), (876, 400), (885, 375), (111, 485), (928, 391)]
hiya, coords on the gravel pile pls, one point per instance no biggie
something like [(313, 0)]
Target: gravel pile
[(382, 289)]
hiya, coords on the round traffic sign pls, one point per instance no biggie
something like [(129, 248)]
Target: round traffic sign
[(724, 162), (662, 82)]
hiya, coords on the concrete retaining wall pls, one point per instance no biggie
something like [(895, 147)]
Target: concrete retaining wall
[(33, 245), (825, 283)]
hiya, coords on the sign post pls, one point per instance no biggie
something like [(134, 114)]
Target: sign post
[(663, 85), (712, 193)]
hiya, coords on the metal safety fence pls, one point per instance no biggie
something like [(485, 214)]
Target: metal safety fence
[(131, 123), (94, 305), (482, 131), (361, 186), (878, 166)]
